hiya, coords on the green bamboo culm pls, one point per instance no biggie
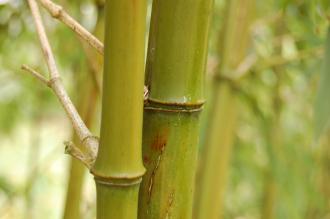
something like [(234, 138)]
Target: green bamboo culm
[(176, 61), (216, 152), (118, 169)]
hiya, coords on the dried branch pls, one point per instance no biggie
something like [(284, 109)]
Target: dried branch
[(74, 151), (59, 13), (36, 74), (54, 82)]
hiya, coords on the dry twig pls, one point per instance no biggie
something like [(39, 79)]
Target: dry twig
[(59, 13), (54, 82)]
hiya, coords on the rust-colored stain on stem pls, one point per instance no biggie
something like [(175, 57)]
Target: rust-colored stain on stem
[(146, 160), (151, 181), (160, 141)]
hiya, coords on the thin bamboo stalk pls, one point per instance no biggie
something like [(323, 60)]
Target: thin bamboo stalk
[(72, 205), (215, 157), (86, 108), (175, 76), (325, 177), (77, 170), (118, 168), (273, 133), (274, 136)]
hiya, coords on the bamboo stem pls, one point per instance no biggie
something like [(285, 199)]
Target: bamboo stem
[(215, 157), (118, 168), (176, 61)]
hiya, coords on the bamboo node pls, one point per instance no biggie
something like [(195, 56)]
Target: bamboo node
[(173, 107), (89, 137), (118, 182), (52, 81), (57, 10)]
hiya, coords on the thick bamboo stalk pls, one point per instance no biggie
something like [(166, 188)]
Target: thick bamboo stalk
[(118, 168), (175, 76), (215, 157)]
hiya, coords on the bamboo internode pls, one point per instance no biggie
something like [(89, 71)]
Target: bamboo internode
[(118, 169)]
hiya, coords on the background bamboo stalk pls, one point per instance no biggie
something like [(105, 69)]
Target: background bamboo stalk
[(274, 139), (77, 171), (87, 108), (215, 157), (176, 61), (33, 158), (118, 168), (73, 199), (325, 176)]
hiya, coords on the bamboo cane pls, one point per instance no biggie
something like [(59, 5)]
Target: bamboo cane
[(175, 76), (118, 168), (215, 157)]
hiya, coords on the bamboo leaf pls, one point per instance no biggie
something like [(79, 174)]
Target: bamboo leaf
[(322, 105)]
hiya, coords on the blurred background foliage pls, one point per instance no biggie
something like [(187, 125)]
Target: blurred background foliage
[(287, 43)]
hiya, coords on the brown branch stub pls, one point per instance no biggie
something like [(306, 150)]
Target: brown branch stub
[(54, 82), (74, 151), (59, 13), (145, 93)]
